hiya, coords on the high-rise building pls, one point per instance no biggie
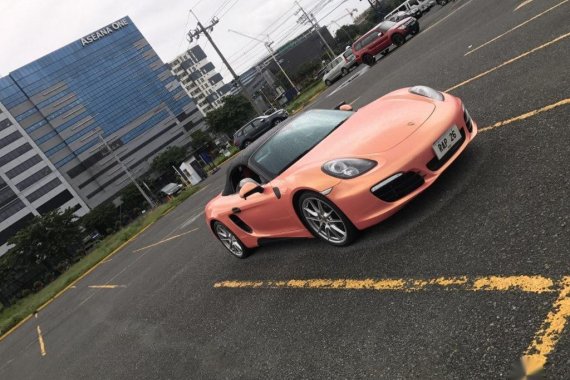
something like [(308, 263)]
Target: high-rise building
[(109, 83), (29, 183), (200, 78)]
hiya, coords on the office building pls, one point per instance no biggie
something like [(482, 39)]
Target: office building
[(29, 183), (200, 79), (107, 85)]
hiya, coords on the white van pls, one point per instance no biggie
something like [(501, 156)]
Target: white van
[(414, 8)]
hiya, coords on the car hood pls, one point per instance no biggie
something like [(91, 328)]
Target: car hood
[(375, 128)]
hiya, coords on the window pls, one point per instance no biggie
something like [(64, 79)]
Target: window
[(9, 139), (19, 169), (44, 190), (5, 124), (33, 178), (11, 208), (14, 154)]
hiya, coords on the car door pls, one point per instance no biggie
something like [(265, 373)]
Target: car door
[(378, 42), (264, 213), (258, 127)]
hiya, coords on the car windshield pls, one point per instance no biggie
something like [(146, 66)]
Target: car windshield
[(385, 26), (297, 139)]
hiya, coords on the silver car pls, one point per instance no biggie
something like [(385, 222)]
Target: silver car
[(339, 66)]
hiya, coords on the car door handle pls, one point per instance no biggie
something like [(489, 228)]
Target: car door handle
[(236, 210)]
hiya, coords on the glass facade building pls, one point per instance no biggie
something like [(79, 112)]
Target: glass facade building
[(110, 83)]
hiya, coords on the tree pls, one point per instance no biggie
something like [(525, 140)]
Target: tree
[(51, 240), (133, 200), (164, 162), (232, 115), (200, 139), (346, 35), (101, 219)]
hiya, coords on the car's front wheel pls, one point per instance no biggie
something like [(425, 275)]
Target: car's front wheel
[(344, 71), (368, 59), (230, 241), (328, 82), (325, 220)]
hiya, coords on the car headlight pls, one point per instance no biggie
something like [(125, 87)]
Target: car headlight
[(347, 168), (428, 92)]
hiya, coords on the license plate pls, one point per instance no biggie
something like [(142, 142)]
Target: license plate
[(446, 142)]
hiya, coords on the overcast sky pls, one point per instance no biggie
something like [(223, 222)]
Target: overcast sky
[(33, 28)]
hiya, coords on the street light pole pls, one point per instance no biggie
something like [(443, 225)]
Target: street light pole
[(204, 30), (311, 18), (271, 52)]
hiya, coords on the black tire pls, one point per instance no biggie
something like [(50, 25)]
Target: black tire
[(326, 230), (239, 250), (245, 144), (328, 82), (276, 121), (398, 39), (344, 71), (415, 31), (368, 59)]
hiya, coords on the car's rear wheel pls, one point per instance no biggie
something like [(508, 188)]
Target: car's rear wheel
[(328, 82), (246, 144), (368, 59), (398, 39), (325, 220), (230, 241), (344, 71)]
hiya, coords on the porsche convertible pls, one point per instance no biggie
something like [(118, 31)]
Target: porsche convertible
[(330, 173)]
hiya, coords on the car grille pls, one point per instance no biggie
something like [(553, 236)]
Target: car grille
[(398, 187), (436, 164)]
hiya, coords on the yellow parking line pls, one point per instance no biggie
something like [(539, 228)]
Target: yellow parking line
[(530, 284), (549, 107), (549, 333), (40, 338), (559, 38), (516, 27), (164, 241), (536, 355), (41, 341)]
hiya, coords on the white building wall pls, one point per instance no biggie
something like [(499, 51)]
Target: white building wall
[(20, 201)]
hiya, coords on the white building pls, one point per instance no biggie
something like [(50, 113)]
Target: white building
[(200, 79), (30, 184)]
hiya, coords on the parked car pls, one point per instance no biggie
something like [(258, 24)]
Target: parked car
[(339, 66), (257, 127), (413, 8), (171, 189), (304, 180), (381, 37), (398, 16)]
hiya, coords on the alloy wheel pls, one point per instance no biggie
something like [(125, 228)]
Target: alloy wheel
[(229, 240), (324, 220)]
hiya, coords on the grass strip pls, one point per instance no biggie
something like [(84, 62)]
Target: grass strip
[(306, 97)]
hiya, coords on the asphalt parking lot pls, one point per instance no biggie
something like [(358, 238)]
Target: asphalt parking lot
[(469, 281)]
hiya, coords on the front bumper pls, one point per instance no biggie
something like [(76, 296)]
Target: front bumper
[(378, 194)]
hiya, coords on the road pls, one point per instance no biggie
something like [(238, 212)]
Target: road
[(469, 278)]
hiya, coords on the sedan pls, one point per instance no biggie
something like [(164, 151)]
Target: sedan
[(330, 173)]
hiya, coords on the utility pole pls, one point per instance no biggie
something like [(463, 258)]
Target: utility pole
[(99, 134), (311, 19), (195, 34), (351, 13), (271, 52)]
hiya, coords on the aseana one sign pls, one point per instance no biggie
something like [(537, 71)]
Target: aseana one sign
[(104, 32)]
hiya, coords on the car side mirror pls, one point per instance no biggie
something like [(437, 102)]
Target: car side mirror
[(249, 188)]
